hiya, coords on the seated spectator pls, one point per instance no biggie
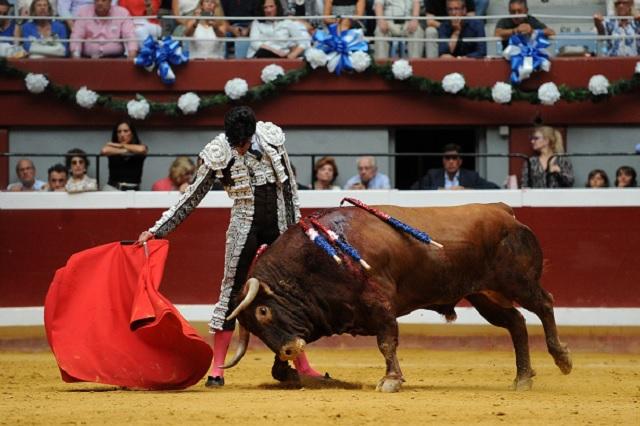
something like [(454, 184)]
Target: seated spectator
[(276, 39), (387, 26), (597, 179), (435, 8), (307, 8), (343, 8), (96, 32), (368, 176), (44, 34), (57, 178), (26, 172), (205, 43), (298, 184), (626, 177), (457, 29), (506, 27), (144, 27), (239, 28), (546, 169), (23, 7), (77, 163), (628, 28), (180, 175), (67, 9), (451, 175), (326, 173), (8, 28), (611, 7), (126, 158)]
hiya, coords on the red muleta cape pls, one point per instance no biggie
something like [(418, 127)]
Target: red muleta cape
[(106, 322)]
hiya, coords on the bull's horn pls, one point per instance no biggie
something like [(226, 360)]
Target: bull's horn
[(254, 286), (243, 343)]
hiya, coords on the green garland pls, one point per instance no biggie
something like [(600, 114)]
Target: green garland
[(261, 92)]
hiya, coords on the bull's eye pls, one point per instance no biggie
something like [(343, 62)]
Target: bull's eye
[(263, 314)]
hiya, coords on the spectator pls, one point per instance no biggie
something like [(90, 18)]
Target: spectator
[(22, 7), (8, 28), (240, 28), (276, 39), (547, 169), (627, 28), (368, 176), (611, 8), (77, 163), (96, 32), (343, 8), (57, 178), (451, 175), (597, 179), (67, 9), (435, 8), (326, 173), (144, 27), (126, 158), (26, 172), (457, 29), (398, 27), (307, 8), (180, 175), (626, 177), (205, 43), (506, 27), (43, 34)]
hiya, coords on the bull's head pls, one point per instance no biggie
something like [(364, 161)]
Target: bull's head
[(280, 324)]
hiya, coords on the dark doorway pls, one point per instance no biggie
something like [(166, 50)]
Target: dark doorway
[(429, 139)]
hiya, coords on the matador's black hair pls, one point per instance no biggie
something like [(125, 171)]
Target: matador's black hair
[(239, 125)]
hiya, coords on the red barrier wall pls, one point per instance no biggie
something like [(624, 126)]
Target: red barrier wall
[(591, 252)]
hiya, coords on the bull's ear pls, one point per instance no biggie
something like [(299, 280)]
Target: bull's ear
[(265, 287)]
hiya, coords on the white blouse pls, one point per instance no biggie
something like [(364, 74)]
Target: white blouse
[(205, 44), (282, 35)]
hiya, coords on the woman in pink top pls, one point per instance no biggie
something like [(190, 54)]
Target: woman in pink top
[(180, 175)]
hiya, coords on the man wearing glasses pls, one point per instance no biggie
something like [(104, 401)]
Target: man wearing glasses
[(451, 175), (26, 172)]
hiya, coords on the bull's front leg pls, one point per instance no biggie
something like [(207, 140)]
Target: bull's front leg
[(388, 343)]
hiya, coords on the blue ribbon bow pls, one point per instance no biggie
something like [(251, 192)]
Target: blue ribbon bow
[(527, 54), (338, 46), (161, 54)]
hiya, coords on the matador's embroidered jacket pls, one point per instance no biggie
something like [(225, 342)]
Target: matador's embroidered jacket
[(266, 162)]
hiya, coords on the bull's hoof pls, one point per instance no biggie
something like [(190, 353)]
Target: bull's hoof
[(282, 372), (389, 384), (522, 383), (564, 363)]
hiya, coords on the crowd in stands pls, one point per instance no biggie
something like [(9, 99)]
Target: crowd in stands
[(126, 155), (259, 36)]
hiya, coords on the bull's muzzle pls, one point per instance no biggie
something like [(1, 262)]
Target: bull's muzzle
[(292, 349)]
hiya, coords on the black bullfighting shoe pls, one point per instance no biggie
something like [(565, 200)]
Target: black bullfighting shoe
[(214, 382)]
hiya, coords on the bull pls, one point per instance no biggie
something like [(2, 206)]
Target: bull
[(298, 294)]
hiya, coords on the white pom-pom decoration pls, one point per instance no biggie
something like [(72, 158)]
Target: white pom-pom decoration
[(86, 98), (36, 83), (138, 109), (402, 69), (501, 93), (637, 70), (189, 103), (453, 83), (548, 94), (599, 85), (316, 57), (360, 60), (271, 72), (236, 88)]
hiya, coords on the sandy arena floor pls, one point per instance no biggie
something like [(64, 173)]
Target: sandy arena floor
[(443, 386)]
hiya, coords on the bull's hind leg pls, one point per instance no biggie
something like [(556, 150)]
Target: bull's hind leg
[(540, 302), (513, 321), (388, 344)]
